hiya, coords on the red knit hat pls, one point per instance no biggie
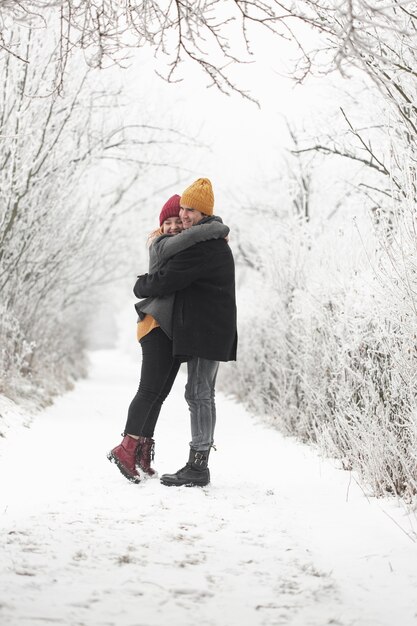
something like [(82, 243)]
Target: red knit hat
[(171, 208)]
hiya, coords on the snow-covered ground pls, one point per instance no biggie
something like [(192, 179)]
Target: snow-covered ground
[(280, 536)]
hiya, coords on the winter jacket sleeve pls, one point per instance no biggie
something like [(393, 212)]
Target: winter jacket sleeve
[(211, 228), (179, 272)]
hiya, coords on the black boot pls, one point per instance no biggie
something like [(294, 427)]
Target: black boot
[(194, 474)]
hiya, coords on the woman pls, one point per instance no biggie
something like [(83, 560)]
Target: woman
[(134, 454)]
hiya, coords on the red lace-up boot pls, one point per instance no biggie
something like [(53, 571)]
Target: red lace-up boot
[(146, 454), (125, 457)]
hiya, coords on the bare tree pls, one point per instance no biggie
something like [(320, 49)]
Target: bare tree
[(300, 174), (64, 216)]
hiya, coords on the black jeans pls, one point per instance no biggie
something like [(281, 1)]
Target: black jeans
[(159, 370)]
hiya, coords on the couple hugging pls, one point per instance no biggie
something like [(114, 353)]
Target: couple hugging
[(187, 313)]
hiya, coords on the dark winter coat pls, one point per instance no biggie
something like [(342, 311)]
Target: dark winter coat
[(163, 248), (204, 316)]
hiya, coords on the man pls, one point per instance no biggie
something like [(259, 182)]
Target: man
[(204, 324)]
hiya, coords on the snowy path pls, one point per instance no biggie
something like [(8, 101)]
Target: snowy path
[(280, 537)]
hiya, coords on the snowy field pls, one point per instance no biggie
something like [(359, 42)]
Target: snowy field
[(279, 537)]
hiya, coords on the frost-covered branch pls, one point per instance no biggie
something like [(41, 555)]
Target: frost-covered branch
[(65, 217), (214, 34)]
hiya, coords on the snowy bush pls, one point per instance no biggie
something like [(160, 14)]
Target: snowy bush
[(15, 351), (327, 346)]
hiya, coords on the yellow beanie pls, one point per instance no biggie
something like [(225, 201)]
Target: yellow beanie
[(199, 196)]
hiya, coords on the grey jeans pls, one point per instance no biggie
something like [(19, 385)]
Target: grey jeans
[(199, 394)]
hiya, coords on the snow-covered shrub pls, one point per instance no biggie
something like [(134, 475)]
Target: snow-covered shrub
[(327, 346), (15, 350)]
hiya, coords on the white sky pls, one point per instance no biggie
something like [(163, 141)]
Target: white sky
[(245, 144)]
